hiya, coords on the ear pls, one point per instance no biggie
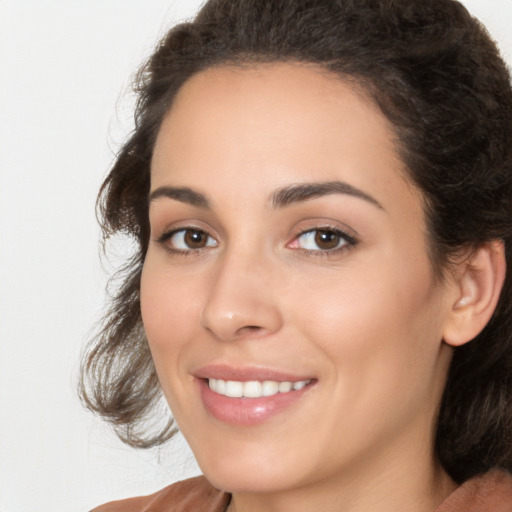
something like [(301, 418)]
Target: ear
[(478, 282)]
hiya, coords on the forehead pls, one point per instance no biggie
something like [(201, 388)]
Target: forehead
[(285, 98), (275, 124)]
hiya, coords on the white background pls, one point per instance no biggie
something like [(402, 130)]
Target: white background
[(65, 69)]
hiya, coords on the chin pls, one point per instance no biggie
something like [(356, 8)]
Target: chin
[(234, 479), (246, 468)]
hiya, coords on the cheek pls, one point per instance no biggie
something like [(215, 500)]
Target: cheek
[(381, 343), (169, 314), (381, 326), (167, 307)]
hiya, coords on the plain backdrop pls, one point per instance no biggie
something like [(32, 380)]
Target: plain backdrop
[(65, 107)]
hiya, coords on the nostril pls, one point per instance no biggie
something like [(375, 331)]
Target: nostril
[(250, 329)]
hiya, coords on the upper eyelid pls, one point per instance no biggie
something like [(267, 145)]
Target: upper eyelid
[(183, 225), (164, 240), (301, 231), (313, 225), (168, 233), (350, 238), (326, 225)]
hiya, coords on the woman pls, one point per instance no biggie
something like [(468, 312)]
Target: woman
[(321, 197)]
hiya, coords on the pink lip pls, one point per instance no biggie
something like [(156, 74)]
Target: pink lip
[(244, 374), (247, 411)]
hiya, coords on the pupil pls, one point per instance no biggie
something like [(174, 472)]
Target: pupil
[(327, 239), (195, 239)]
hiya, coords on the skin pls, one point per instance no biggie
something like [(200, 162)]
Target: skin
[(367, 321)]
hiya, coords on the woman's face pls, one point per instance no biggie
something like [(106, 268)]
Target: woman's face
[(288, 262)]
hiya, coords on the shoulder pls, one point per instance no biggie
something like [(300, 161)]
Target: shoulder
[(489, 492), (185, 496)]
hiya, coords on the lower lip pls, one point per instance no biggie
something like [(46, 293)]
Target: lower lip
[(247, 411)]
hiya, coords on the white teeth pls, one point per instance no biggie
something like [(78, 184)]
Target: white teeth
[(221, 386), (253, 388), (284, 387), (234, 389), (270, 387)]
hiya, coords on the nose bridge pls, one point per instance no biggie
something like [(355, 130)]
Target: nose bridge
[(240, 300)]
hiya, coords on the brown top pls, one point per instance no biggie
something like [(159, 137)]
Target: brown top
[(491, 492), (192, 495)]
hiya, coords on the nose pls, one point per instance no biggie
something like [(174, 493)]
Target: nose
[(241, 299)]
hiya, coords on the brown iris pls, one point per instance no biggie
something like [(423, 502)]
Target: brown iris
[(327, 240), (195, 239)]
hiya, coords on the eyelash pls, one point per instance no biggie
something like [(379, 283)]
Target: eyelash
[(167, 236), (347, 241)]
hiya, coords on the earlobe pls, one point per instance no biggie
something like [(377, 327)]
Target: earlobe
[(478, 283)]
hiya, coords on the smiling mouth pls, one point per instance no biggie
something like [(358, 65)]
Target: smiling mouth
[(250, 396), (254, 388)]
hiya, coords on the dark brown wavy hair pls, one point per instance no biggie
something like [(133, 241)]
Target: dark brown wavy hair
[(438, 77)]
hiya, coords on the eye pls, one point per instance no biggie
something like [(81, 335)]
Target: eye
[(184, 240), (323, 240)]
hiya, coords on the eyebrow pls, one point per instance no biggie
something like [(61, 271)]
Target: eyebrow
[(281, 198), (305, 191), (182, 194)]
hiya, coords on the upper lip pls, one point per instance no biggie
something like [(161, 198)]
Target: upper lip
[(247, 373)]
